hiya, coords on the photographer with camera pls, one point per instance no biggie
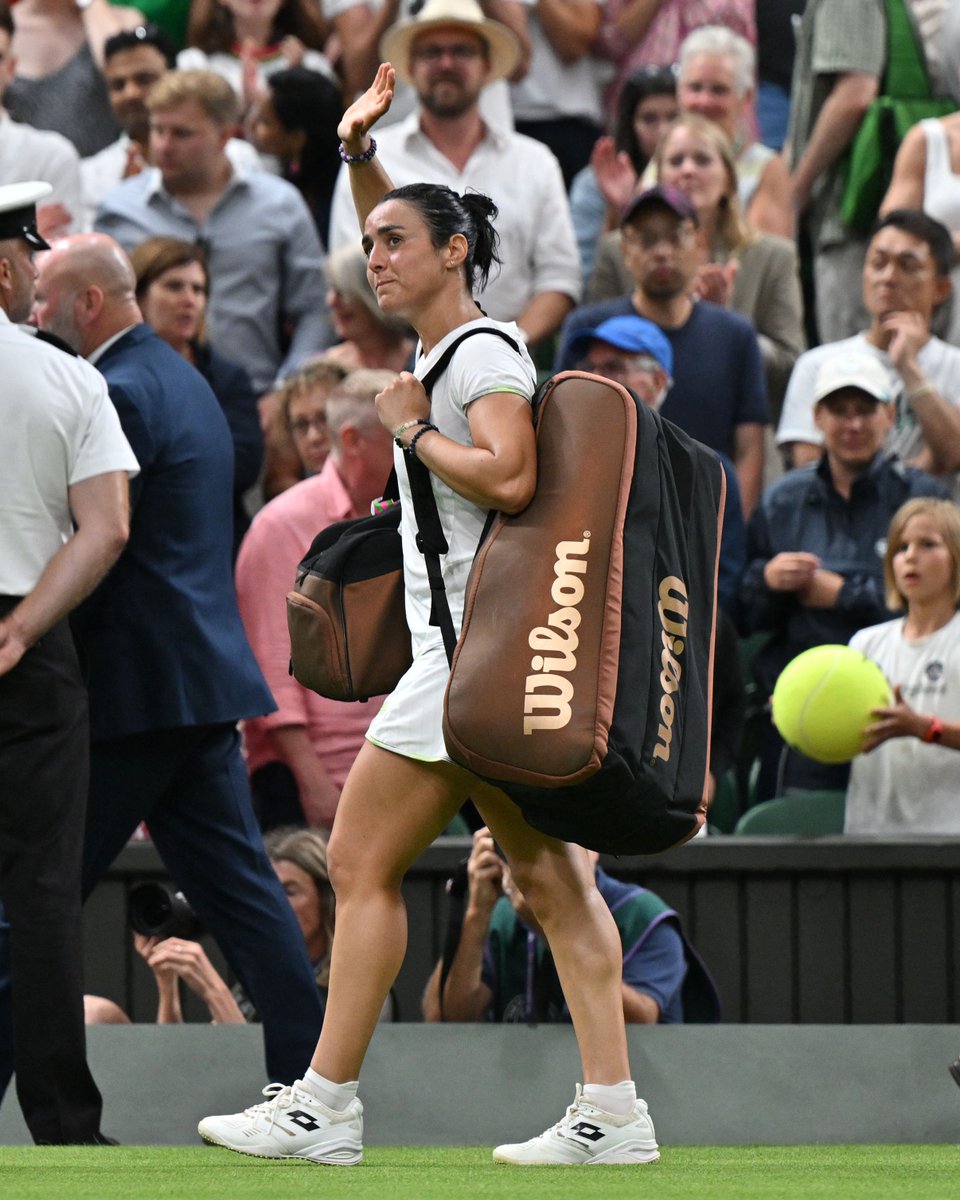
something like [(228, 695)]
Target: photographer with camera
[(165, 932), (165, 929), (499, 968)]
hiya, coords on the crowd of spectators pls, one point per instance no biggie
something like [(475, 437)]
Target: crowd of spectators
[(670, 213)]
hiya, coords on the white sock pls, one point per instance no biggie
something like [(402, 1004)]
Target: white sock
[(334, 1095), (616, 1098)]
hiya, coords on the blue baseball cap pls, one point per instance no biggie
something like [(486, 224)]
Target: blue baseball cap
[(634, 334)]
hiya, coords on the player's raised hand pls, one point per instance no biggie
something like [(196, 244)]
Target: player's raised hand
[(366, 110)]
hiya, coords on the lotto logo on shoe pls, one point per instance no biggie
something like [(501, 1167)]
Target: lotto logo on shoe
[(303, 1120), (592, 1133)]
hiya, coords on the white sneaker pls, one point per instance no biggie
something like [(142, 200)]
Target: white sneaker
[(587, 1136), (291, 1123)]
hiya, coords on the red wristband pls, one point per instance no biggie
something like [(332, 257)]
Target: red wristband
[(934, 730)]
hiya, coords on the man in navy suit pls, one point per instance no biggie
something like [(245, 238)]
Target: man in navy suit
[(169, 669)]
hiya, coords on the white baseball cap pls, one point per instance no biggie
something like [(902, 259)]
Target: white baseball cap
[(853, 369)]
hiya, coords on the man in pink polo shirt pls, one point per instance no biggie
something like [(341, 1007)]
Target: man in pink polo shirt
[(298, 756)]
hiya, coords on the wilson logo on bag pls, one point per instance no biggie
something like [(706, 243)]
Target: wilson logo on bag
[(673, 599), (556, 643)]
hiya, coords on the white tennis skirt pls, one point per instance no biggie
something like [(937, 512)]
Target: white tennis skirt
[(410, 722)]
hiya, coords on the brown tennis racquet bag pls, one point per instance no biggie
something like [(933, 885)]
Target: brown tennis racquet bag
[(581, 681)]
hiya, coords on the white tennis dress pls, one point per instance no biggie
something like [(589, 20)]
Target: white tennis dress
[(410, 721)]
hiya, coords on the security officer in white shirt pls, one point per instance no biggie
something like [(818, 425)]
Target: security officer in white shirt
[(64, 519)]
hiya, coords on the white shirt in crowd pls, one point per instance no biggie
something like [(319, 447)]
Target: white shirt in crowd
[(27, 154), (939, 361), (906, 786)]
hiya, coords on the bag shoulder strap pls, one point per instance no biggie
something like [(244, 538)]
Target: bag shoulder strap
[(430, 540), (905, 77)]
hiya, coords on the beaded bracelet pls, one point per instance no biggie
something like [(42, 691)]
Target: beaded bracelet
[(352, 159), (427, 426), (402, 429)]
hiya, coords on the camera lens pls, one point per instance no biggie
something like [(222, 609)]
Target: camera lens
[(157, 911)]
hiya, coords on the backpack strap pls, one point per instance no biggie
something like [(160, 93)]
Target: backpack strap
[(430, 539), (905, 76)]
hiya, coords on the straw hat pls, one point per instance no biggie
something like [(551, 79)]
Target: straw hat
[(396, 43)]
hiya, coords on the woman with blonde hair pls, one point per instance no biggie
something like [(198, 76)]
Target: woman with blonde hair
[(369, 337), (755, 274), (906, 782)]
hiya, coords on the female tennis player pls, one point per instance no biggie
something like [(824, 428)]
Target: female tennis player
[(427, 250)]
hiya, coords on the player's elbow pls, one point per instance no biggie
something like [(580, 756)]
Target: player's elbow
[(514, 495)]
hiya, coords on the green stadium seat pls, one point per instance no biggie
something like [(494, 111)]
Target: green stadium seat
[(801, 814)]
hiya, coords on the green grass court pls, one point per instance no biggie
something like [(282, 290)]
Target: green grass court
[(424, 1173)]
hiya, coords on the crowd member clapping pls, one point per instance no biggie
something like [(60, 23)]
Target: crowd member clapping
[(647, 104), (753, 273), (246, 43)]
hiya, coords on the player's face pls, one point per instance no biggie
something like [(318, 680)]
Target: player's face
[(187, 146), (660, 251), (174, 304), (130, 75), (708, 87), (405, 269), (18, 275), (308, 427), (693, 166), (449, 67), (923, 566), (854, 426), (900, 275)]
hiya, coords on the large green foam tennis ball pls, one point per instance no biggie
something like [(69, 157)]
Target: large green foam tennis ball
[(823, 700)]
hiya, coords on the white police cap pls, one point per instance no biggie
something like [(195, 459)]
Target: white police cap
[(18, 211)]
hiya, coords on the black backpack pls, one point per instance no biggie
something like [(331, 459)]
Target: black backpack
[(581, 682)]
